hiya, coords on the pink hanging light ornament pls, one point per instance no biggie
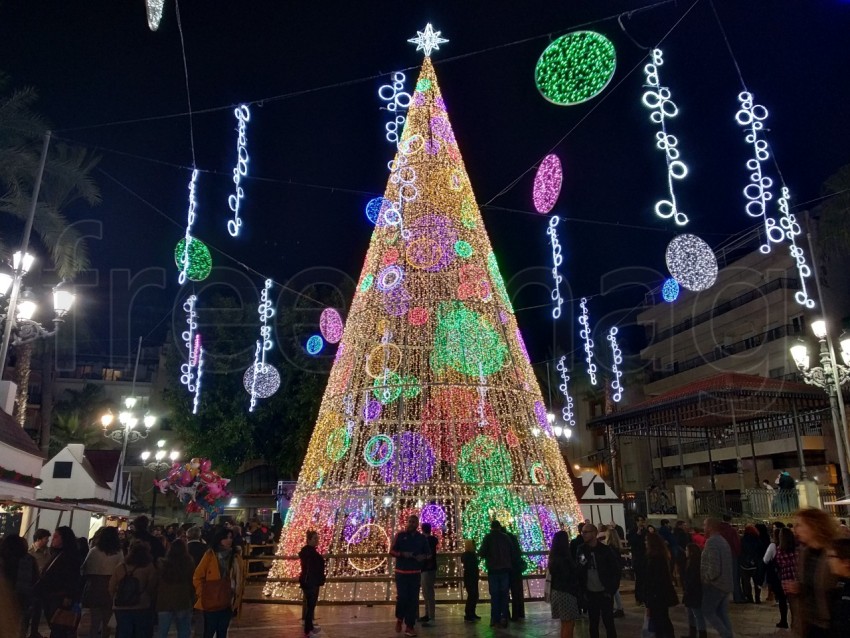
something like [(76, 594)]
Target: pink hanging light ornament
[(547, 184)]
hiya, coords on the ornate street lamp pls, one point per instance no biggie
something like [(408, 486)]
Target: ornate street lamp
[(829, 376), (158, 463), (128, 419)]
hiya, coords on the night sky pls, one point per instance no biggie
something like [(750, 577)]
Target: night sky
[(318, 152)]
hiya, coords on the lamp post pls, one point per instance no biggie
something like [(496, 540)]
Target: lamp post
[(829, 376), (22, 328), (128, 419), (158, 463)]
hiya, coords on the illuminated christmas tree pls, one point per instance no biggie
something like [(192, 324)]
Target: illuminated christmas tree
[(431, 406)]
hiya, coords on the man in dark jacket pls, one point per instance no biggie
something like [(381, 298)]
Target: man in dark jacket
[(311, 578), (410, 549), (599, 574), (496, 552), (429, 576), (141, 533), (515, 579), (637, 546)]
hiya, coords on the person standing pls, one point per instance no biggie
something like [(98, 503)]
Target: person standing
[(784, 560), (717, 578), (132, 587), (410, 549), (816, 530), (469, 560), (496, 552), (692, 597), (311, 578), (599, 573), (660, 592), (59, 585), (515, 579), (429, 576), (563, 595), (734, 541), (99, 565), (218, 583), (612, 540), (750, 564), (196, 548), (839, 608), (175, 593), (20, 571), (141, 533), (41, 553), (637, 545)]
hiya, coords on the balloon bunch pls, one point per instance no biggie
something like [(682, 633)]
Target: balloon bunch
[(197, 486)]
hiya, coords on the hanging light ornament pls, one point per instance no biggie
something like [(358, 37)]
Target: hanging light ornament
[(657, 99), (330, 325), (792, 230), (575, 68), (567, 410), (199, 258), (616, 361), (262, 380), (183, 262), (397, 102), (187, 369), (547, 184), (199, 368), (691, 262), (584, 320), (314, 345), (557, 260), (670, 290), (243, 116), (154, 10)]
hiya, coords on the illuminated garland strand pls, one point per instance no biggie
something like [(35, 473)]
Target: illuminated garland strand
[(243, 116), (557, 260), (584, 320), (482, 396), (397, 100), (154, 11), (567, 410), (199, 363), (257, 365), (792, 229), (751, 117), (657, 99), (187, 375), (617, 359), (190, 221), (266, 312)]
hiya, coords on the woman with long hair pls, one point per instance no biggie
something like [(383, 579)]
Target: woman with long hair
[(563, 595), (59, 585), (660, 593), (816, 530), (612, 540), (132, 587), (692, 596), (20, 572), (750, 564), (785, 567), (175, 593), (218, 582), (99, 565)]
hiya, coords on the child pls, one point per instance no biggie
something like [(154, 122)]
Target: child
[(469, 559), (839, 563), (692, 598)]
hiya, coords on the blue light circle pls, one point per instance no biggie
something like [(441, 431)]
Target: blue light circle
[(373, 209), (670, 290), (315, 345)]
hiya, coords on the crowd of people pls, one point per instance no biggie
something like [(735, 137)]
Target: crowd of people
[(185, 576)]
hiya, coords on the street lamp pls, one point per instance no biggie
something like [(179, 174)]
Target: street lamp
[(158, 463), (128, 419), (25, 329), (829, 376), (560, 431)]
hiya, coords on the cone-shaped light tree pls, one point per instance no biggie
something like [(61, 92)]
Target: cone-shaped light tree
[(431, 406)]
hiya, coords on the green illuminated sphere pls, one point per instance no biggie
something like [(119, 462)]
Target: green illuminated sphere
[(490, 503), (483, 460), (466, 342), (575, 68), (200, 260)]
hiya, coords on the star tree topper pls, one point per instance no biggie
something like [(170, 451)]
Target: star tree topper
[(428, 40)]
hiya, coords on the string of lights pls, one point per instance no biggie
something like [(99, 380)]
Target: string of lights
[(243, 116), (585, 334), (616, 362), (557, 260)]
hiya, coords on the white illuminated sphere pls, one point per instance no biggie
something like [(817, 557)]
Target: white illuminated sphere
[(691, 262), (268, 380)]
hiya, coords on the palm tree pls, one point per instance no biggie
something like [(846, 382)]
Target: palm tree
[(67, 179), (70, 427)]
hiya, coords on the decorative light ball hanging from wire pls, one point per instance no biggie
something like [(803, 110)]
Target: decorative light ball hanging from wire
[(575, 68), (691, 262)]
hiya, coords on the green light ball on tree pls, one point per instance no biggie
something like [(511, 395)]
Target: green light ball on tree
[(200, 259)]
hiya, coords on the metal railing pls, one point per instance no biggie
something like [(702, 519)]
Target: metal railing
[(811, 428)]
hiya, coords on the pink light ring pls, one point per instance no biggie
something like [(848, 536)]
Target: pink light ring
[(547, 184), (331, 325)]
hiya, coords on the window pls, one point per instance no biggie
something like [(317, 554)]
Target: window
[(599, 489), (62, 469), (776, 373), (111, 374)]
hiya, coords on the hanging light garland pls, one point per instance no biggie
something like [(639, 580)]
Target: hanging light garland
[(397, 101), (243, 116), (567, 410), (187, 239), (262, 380), (557, 259), (584, 333), (616, 362), (791, 227), (199, 367), (657, 99), (188, 369)]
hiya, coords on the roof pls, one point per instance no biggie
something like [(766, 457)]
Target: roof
[(715, 402), (103, 463), (260, 480), (13, 435)]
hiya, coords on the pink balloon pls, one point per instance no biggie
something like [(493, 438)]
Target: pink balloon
[(186, 477), (206, 465)]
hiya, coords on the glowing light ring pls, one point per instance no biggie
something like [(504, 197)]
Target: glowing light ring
[(463, 249), (617, 360), (339, 441), (575, 68), (190, 221), (266, 312), (585, 334), (670, 290), (314, 345), (657, 99), (187, 370), (390, 277), (538, 473), (199, 367), (547, 184), (396, 101), (243, 116), (567, 411), (557, 260), (387, 355), (428, 40), (691, 262), (154, 11), (788, 223), (378, 450), (260, 367), (751, 117), (379, 546), (330, 325)]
